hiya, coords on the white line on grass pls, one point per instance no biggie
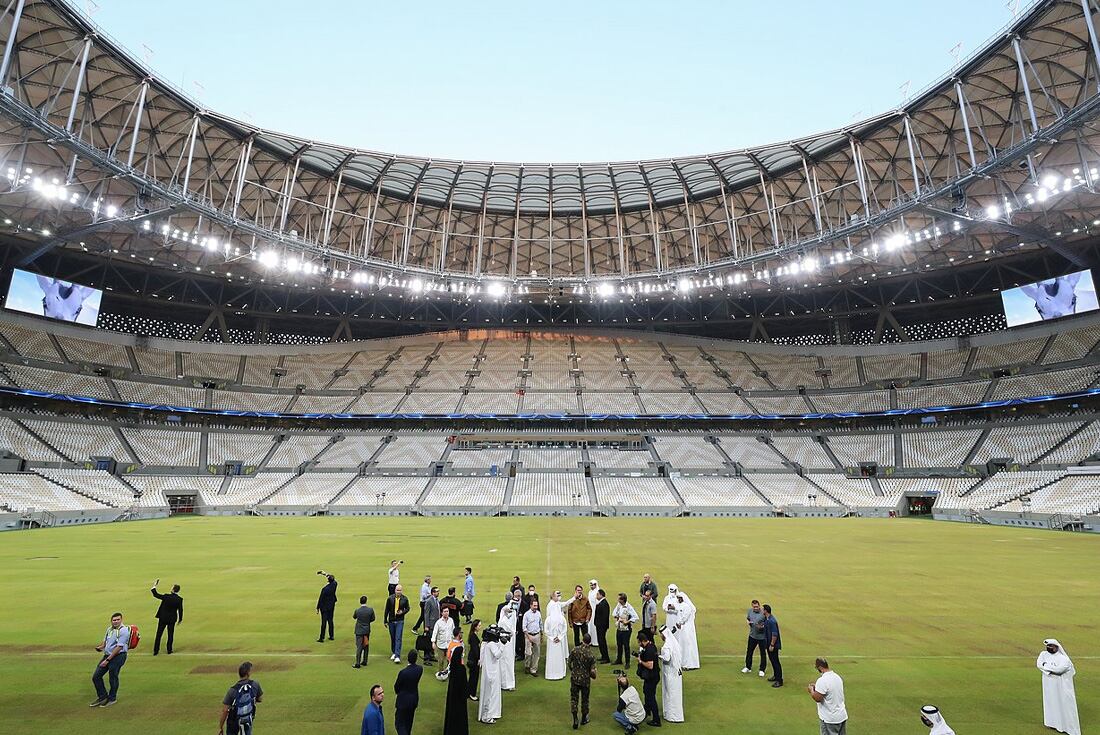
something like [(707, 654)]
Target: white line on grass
[(834, 656)]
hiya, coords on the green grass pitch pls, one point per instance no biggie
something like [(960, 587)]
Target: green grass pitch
[(907, 611)]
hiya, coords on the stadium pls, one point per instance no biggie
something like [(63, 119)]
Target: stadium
[(855, 375)]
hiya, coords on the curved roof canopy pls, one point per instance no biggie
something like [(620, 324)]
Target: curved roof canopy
[(947, 176)]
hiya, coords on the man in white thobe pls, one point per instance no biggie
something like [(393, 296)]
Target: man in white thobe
[(488, 706), (670, 606), (931, 717), (1059, 699), (593, 587), (685, 631), (507, 622), (557, 648), (672, 679)]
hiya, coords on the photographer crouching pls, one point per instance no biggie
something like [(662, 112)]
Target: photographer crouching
[(629, 713)]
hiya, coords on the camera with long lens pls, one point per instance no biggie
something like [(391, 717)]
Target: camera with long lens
[(497, 634), (619, 672)]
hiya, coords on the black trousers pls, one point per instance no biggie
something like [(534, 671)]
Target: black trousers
[(777, 668), (578, 633), (420, 619), (750, 652), (473, 675), (622, 646), (649, 699), (601, 639), (326, 619), (162, 625), (391, 588), (403, 721)]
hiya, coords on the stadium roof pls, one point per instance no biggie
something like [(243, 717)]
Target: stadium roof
[(945, 177)]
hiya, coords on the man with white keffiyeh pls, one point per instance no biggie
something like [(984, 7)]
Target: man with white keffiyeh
[(1059, 698)]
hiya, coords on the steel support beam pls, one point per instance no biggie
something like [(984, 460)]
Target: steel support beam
[(5, 64), (79, 83)]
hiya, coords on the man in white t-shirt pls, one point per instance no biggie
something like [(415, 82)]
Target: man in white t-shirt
[(395, 575), (630, 712), (828, 692)]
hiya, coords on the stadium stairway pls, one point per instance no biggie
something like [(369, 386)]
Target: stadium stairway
[(418, 505), (1026, 493), (680, 504), (506, 504), (271, 494), (877, 487), (270, 453), (130, 450), (590, 486), (226, 482), (1058, 445), (767, 501), (976, 448), (41, 439), (845, 506), (75, 491), (343, 490), (823, 440), (974, 487)]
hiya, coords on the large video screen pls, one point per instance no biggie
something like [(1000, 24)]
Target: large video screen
[(1053, 298), (41, 295)]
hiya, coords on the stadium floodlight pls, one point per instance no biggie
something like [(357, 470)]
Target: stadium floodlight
[(992, 211), (1042, 194), (684, 285), (496, 289), (112, 210), (269, 259), (1050, 181), (605, 289), (416, 286)]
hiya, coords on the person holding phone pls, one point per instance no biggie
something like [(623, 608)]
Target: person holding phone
[(169, 614), (394, 574)]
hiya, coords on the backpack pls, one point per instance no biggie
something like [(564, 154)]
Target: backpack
[(135, 637), (244, 704)]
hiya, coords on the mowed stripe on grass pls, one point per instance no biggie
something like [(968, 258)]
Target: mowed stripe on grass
[(908, 611)]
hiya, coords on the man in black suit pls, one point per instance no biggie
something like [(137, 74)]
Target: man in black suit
[(326, 607), (408, 695), (169, 613), (602, 620)]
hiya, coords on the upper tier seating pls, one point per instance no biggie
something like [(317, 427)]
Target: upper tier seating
[(658, 374), (413, 452)]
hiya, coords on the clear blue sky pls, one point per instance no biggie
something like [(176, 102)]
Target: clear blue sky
[(516, 80)]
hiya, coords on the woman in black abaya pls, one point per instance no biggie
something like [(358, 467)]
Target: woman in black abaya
[(473, 644), (456, 718)]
